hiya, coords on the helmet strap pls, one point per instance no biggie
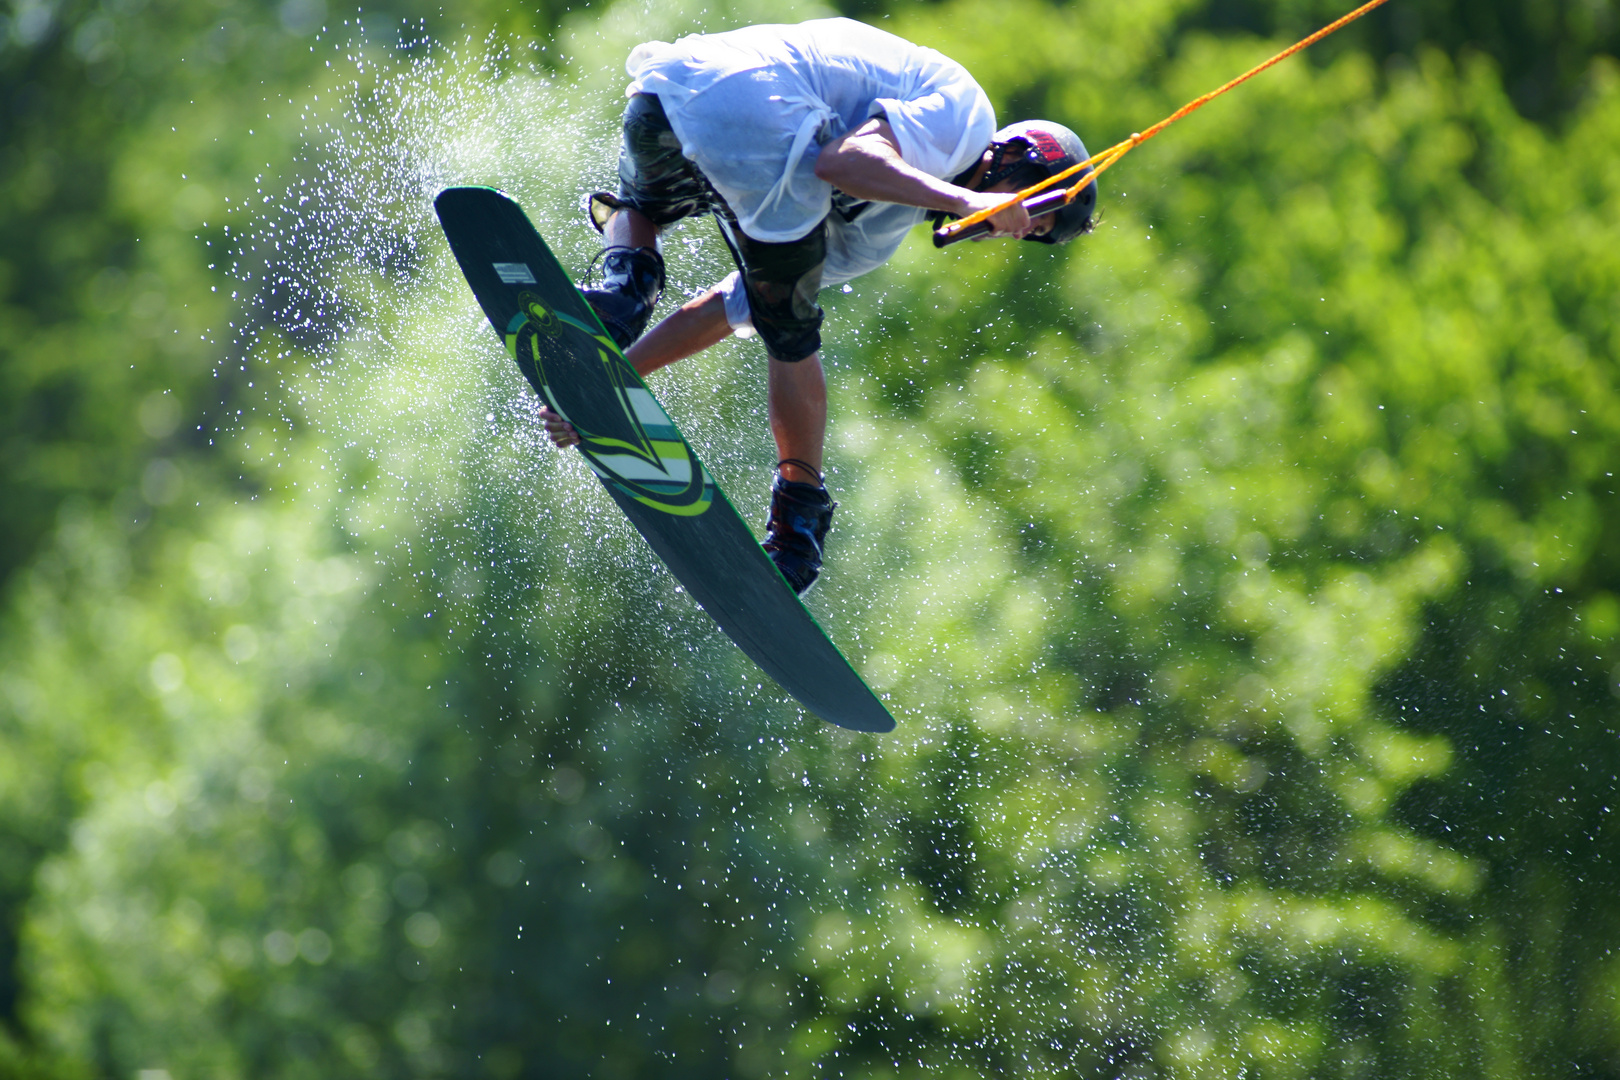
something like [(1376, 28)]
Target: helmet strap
[(1006, 162)]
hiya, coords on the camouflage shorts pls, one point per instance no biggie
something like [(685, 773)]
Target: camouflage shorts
[(781, 280)]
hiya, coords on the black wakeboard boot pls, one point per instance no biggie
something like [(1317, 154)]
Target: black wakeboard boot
[(801, 514), (632, 281)]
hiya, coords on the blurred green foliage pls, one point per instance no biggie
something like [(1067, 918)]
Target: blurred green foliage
[(1242, 576)]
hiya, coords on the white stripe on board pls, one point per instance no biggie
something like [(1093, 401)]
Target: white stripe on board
[(634, 468)]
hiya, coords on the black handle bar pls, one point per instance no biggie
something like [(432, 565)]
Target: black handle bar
[(1045, 203)]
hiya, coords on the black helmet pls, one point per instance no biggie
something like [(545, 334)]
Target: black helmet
[(1030, 151)]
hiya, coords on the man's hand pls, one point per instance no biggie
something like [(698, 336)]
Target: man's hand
[(560, 431), (1013, 221)]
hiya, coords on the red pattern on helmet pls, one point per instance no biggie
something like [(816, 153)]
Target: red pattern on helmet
[(1049, 149)]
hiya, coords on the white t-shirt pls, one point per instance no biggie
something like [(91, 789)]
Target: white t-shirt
[(753, 108)]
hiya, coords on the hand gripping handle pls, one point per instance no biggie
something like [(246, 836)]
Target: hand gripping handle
[(1045, 203)]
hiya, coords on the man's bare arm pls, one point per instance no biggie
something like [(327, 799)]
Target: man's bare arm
[(866, 164)]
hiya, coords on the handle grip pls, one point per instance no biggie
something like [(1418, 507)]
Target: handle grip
[(1045, 203)]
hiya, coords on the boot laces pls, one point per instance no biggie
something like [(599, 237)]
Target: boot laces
[(608, 277)]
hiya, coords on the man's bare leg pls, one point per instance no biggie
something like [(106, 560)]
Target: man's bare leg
[(801, 508), (796, 397), (796, 394), (630, 228), (686, 331)]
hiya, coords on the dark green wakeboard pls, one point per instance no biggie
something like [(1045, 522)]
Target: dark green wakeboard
[(642, 460)]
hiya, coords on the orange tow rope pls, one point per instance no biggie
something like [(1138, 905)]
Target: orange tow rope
[(1107, 158)]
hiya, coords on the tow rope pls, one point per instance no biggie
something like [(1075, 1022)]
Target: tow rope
[(1105, 160)]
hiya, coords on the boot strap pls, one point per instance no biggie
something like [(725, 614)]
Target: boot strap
[(821, 481)]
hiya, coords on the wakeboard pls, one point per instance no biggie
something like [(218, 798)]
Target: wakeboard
[(641, 459)]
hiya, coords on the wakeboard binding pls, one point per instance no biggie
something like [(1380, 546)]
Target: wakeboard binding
[(632, 282), (796, 533)]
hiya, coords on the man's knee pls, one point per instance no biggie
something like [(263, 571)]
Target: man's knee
[(781, 282), (655, 178), (793, 349), (788, 323)]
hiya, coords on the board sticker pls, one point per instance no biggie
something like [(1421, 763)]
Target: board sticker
[(514, 273), (653, 464)]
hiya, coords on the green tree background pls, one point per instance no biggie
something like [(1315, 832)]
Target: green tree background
[(1241, 576)]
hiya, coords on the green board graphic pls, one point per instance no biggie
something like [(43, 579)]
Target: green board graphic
[(641, 458)]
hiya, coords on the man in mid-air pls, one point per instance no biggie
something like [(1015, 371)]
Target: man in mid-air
[(816, 147)]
